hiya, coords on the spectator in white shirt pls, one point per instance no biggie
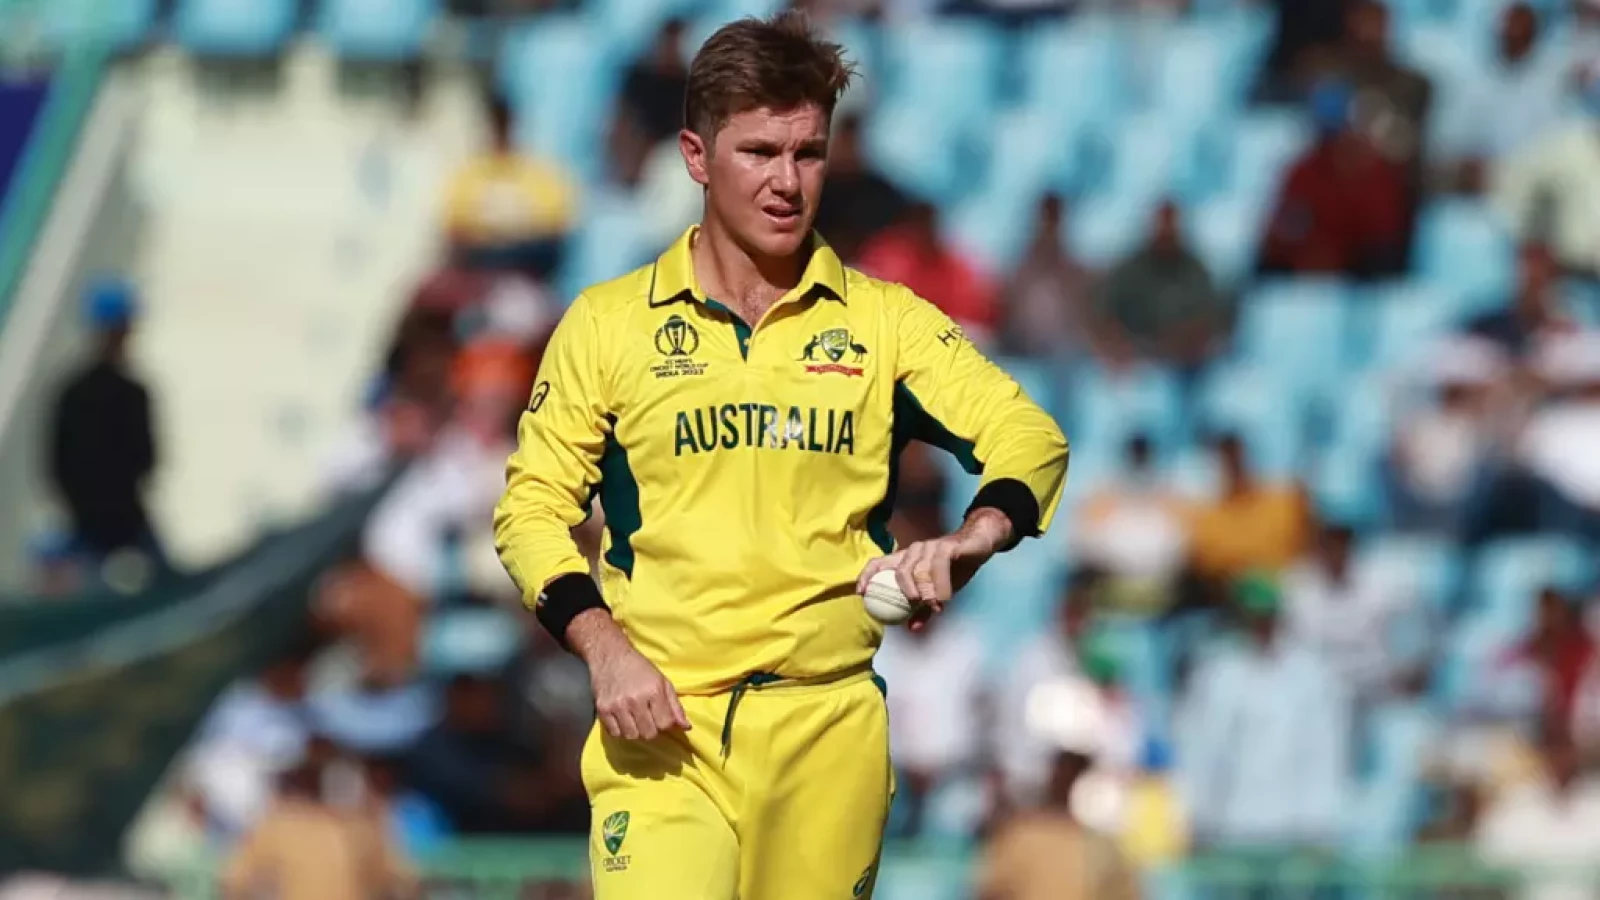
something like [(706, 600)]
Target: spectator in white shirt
[(1551, 189), (1517, 98), (1441, 448), (1134, 529), (935, 698), (1022, 753), (1561, 444), (1350, 617), (1551, 825)]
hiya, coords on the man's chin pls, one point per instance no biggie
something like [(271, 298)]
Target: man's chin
[(776, 242)]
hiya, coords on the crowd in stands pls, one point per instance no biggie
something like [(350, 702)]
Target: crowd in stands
[(1326, 570)]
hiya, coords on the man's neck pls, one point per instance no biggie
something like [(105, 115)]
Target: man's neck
[(744, 283)]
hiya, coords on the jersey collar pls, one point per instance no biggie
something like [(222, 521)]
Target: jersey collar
[(672, 277)]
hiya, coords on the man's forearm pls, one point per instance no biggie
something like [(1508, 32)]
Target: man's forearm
[(990, 524), (593, 636)]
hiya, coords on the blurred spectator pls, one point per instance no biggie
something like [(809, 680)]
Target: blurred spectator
[(1352, 618), (1265, 735), (1535, 312), (1012, 14), (506, 210), (382, 619), (1442, 448), (1547, 485), (1343, 208), (447, 498), (1550, 826), (1253, 525), (1305, 30), (103, 449), (1134, 530), (667, 203), (1049, 853), (913, 254), (1160, 303), (935, 709), (1047, 301), (919, 496), (1391, 100), (1545, 190), (1535, 683), (307, 847), (488, 777), (857, 201), (1051, 657), (652, 89), (1516, 99), (256, 730)]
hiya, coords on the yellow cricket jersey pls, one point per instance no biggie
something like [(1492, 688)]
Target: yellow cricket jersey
[(747, 474)]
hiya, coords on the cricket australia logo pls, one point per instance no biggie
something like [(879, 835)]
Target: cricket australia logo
[(677, 340), (613, 831), (833, 345)]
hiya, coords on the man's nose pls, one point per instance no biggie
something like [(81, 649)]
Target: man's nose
[(786, 177)]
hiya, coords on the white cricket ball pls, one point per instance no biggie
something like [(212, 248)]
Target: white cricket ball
[(885, 601)]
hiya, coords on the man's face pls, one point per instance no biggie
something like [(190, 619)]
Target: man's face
[(1518, 29), (763, 176)]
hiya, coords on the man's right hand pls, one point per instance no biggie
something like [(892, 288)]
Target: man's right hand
[(631, 696)]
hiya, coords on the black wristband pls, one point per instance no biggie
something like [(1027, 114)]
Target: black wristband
[(1014, 499), (565, 599)]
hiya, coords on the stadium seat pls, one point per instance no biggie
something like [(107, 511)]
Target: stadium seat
[(1200, 72), (1248, 401), (1426, 568), (1105, 229), (1392, 324), (632, 24), (1107, 408), (1388, 806), (1223, 232), (920, 150), (1465, 247), (1440, 50), (561, 73), (1258, 150), (237, 28), (116, 25), (1151, 156), (376, 29), (1509, 574), (1074, 72), (948, 66), (1349, 476), (608, 242), (1297, 331)]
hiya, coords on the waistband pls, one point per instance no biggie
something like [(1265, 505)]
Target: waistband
[(771, 681)]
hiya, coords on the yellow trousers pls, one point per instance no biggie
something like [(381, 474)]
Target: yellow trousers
[(779, 791)]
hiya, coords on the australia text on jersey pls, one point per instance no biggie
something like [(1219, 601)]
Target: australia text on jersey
[(762, 425)]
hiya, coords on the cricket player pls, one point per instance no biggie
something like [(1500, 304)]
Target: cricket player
[(738, 407)]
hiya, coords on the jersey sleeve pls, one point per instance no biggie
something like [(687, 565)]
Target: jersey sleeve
[(955, 398), (551, 475)]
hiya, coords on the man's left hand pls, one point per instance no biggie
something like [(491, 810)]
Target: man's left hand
[(929, 572)]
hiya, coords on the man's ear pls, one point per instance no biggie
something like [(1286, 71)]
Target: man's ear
[(696, 152)]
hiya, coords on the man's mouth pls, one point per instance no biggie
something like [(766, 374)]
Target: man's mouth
[(783, 215)]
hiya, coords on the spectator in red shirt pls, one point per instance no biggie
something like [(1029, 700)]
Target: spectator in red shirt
[(912, 253), (1342, 209)]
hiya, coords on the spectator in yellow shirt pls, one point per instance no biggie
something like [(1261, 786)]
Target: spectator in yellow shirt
[(507, 210), (1252, 525)]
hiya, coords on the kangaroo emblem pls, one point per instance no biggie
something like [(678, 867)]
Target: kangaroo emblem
[(809, 354)]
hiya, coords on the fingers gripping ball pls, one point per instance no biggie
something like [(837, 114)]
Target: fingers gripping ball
[(885, 601)]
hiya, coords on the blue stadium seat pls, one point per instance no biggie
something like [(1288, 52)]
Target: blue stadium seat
[(1440, 51), (948, 66), (116, 25), (376, 29), (562, 74), (1201, 72), (1395, 322), (1464, 246), (1388, 808), (1426, 568), (1105, 229), (994, 226), (1262, 147), (1297, 331), (632, 24), (1074, 72), (238, 28), (1348, 480), (1107, 409), (1509, 574), (1145, 665), (608, 242), (1224, 232), (1151, 156), (918, 149), (1248, 401)]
